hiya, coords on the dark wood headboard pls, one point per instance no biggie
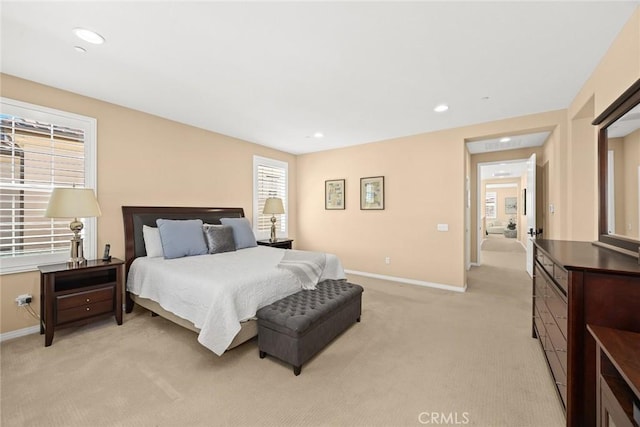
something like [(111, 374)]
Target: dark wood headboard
[(136, 216)]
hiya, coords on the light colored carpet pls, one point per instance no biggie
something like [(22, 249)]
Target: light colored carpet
[(454, 356), (499, 251)]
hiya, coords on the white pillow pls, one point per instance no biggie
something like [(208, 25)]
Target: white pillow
[(152, 242)]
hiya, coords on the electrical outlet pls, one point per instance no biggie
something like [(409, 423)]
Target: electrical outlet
[(23, 299), (387, 260)]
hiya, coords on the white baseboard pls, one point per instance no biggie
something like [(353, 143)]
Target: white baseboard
[(19, 333), (409, 281)]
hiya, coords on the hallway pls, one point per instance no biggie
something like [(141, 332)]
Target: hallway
[(499, 251)]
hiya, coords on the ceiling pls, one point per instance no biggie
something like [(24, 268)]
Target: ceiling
[(507, 170), (514, 142), (275, 73)]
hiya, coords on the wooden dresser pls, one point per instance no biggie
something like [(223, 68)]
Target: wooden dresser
[(575, 284)]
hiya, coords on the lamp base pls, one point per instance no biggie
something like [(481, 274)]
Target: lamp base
[(77, 251), (273, 239)]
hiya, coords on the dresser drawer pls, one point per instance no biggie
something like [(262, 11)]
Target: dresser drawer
[(546, 263), (540, 284), (65, 302), (87, 310), (558, 342), (559, 377), (557, 307), (561, 277), (539, 323)]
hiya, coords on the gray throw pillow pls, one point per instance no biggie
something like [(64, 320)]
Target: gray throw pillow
[(242, 232), (181, 238), (219, 238)]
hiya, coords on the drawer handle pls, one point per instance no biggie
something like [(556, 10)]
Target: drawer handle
[(88, 309), (549, 323), (88, 299), (561, 350), (559, 383), (561, 317)]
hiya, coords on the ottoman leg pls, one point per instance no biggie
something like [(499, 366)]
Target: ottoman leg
[(262, 354), (296, 370)]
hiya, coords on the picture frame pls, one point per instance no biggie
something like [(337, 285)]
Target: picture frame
[(372, 193), (510, 205), (334, 194)]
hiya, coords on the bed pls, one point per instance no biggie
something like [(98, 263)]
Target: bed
[(218, 294)]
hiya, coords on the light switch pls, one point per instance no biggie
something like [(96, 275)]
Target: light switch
[(443, 227)]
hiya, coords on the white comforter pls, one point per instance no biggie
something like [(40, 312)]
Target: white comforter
[(217, 292)]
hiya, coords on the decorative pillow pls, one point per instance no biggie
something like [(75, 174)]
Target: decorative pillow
[(152, 242), (242, 232), (181, 238), (219, 238)]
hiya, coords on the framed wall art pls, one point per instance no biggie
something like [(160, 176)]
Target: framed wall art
[(334, 194), (372, 193)]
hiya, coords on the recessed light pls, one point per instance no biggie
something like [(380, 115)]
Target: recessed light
[(441, 108), (505, 139), (318, 135), (88, 35), (80, 49)]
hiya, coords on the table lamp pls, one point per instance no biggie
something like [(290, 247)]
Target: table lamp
[(73, 203), (273, 205)]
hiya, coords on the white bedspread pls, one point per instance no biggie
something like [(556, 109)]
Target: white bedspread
[(217, 292)]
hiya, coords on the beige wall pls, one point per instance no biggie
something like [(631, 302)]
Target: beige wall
[(405, 231), (617, 146), (617, 71), (631, 163), (144, 160)]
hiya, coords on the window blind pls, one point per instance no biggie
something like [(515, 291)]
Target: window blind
[(35, 157), (490, 204), (270, 181)]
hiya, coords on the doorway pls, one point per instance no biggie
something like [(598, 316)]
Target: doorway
[(500, 214)]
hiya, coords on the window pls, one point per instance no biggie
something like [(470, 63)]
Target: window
[(490, 204), (41, 148), (270, 179)]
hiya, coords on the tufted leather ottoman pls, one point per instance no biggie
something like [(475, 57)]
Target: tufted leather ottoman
[(295, 328)]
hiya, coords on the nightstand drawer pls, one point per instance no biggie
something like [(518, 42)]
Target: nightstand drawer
[(65, 302), (84, 311)]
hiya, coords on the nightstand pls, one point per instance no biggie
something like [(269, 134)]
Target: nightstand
[(75, 295), (279, 243)]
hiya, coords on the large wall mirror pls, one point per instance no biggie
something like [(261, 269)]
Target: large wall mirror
[(619, 171)]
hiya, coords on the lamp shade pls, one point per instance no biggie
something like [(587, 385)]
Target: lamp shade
[(72, 203), (273, 205)]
